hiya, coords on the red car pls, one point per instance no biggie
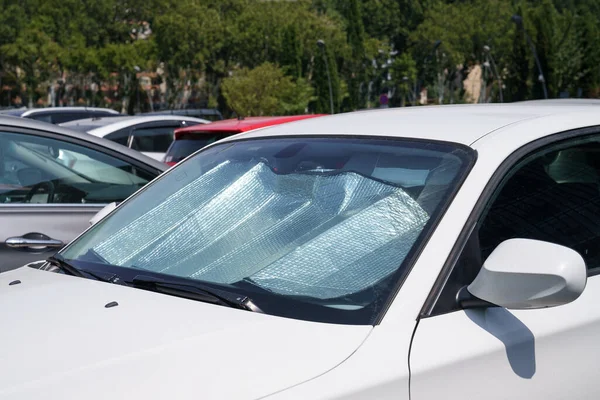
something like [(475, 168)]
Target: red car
[(192, 138)]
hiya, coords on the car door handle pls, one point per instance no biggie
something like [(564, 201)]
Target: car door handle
[(17, 242)]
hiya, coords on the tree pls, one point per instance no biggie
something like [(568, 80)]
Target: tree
[(36, 55), (185, 37), (355, 33), (463, 28), (587, 33), (321, 104), (265, 90), (518, 61), (544, 18), (291, 54), (404, 73)]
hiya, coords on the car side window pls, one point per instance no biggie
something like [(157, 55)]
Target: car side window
[(42, 170), (153, 138), (59, 118), (552, 195), (42, 117), (121, 136)]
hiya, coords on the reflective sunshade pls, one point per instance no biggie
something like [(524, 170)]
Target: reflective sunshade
[(327, 222)]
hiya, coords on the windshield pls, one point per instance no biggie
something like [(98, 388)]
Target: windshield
[(310, 228)]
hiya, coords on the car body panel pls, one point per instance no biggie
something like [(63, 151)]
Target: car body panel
[(61, 222), (33, 111), (431, 123), (517, 354), (204, 113), (236, 125), (57, 115), (125, 351), (180, 150), (139, 119), (464, 124), (106, 126), (493, 353)]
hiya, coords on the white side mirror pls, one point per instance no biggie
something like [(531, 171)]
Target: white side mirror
[(104, 212), (526, 274)]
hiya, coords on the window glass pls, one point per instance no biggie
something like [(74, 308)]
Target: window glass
[(120, 136), (552, 195), (304, 227), (182, 148), (41, 117), (153, 139), (42, 170), (59, 118)]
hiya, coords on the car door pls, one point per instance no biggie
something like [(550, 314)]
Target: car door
[(51, 186), (550, 194), (154, 138)]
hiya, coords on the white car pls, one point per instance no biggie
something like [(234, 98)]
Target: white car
[(420, 253), (150, 134), (58, 115)]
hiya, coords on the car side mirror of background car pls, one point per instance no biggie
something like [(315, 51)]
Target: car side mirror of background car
[(527, 274), (104, 212)]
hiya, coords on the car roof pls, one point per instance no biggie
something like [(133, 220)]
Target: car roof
[(206, 111), (26, 123), (111, 124), (463, 124), (236, 125), (13, 112), (561, 102), (57, 110), (93, 123)]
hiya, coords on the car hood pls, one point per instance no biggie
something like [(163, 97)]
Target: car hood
[(62, 340)]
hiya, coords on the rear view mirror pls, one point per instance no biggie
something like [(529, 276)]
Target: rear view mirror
[(104, 212), (528, 274)]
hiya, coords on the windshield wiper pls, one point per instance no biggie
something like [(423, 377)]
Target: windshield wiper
[(65, 266), (195, 291)]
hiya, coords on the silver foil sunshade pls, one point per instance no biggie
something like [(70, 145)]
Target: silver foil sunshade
[(316, 235)]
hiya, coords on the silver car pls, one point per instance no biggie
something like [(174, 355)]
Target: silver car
[(54, 180)]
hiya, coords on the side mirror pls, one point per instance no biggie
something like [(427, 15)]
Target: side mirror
[(104, 212), (528, 274)]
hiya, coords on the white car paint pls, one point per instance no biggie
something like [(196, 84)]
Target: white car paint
[(151, 346), (34, 111), (156, 346), (141, 119)]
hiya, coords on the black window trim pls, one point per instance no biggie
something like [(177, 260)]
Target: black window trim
[(489, 190)]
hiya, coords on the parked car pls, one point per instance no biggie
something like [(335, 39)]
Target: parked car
[(204, 113), (58, 115), (53, 180), (426, 253), (12, 111), (151, 134), (191, 139)]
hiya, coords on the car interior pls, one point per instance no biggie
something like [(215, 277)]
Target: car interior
[(37, 173), (556, 198)]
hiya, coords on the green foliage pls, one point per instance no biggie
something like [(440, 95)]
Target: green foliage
[(517, 74), (291, 52), (197, 44), (326, 72), (265, 90)]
